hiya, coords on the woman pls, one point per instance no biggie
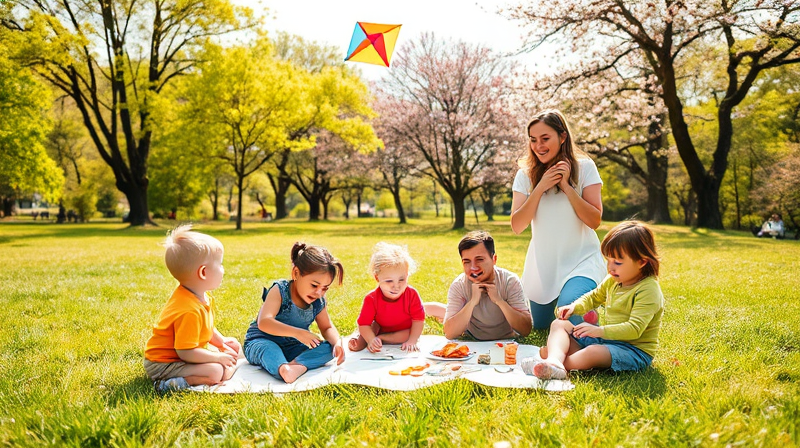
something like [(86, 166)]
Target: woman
[(557, 192)]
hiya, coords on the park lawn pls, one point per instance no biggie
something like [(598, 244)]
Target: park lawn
[(78, 300)]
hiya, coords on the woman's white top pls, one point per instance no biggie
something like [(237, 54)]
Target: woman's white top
[(562, 246)]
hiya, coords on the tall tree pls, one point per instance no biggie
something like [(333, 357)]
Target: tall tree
[(758, 36), (25, 167), (248, 100), (337, 102), (113, 58), (447, 101)]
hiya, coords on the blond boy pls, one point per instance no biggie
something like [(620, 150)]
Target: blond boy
[(175, 355)]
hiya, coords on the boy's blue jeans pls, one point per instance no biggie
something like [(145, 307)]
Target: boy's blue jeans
[(270, 356)]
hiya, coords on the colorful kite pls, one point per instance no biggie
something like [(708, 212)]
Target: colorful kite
[(373, 43)]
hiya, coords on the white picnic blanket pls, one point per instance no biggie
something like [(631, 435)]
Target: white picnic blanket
[(362, 368)]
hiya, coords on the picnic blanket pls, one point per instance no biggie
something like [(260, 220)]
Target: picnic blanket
[(363, 368)]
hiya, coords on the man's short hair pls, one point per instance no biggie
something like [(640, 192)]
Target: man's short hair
[(474, 238)]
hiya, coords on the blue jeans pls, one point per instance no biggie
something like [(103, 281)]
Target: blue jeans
[(270, 356), (624, 356), (544, 315)]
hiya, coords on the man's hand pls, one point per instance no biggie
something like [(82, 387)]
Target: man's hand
[(491, 291), (477, 291)]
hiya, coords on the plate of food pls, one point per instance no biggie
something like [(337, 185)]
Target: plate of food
[(451, 352)]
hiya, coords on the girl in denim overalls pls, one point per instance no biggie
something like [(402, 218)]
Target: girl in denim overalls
[(278, 339)]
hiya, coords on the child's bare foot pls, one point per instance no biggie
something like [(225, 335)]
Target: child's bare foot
[(356, 343), (291, 372)]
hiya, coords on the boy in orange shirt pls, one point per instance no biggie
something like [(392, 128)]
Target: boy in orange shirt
[(175, 355)]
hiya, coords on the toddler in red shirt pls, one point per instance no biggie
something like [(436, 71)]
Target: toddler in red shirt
[(393, 313)]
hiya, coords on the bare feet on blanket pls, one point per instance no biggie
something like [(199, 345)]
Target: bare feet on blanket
[(291, 372), (356, 343)]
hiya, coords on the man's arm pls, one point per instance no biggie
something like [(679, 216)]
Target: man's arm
[(456, 325), (520, 321)]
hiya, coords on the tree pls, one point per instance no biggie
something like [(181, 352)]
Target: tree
[(448, 102), (113, 58), (25, 167), (780, 191), (248, 100), (337, 102), (757, 36)]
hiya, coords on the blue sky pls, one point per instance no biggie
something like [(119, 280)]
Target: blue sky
[(332, 22)]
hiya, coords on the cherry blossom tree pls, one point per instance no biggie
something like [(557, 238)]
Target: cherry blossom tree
[(620, 117), (757, 35), (446, 103)]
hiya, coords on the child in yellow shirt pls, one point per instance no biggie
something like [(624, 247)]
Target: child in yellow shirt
[(634, 306)]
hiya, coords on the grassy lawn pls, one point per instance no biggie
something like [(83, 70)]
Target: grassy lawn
[(78, 300)]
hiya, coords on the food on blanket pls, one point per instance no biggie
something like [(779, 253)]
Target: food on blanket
[(452, 350), (511, 353), (497, 353), (413, 370), (484, 358), (591, 317)]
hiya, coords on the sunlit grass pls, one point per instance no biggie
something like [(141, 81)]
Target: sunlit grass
[(77, 302)]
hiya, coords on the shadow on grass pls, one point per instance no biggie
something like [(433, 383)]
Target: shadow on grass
[(649, 383)]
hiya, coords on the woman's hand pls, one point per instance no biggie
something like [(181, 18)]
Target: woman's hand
[(553, 176), (565, 169), (308, 339)]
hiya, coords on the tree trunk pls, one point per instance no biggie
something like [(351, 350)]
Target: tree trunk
[(325, 208), (313, 207), (347, 203), (459, 211), (398, 204), (737, 200), (8, 206), (137, 200), (488, 207), (358, 205), (435, 202), (656, 184), (239, 205)]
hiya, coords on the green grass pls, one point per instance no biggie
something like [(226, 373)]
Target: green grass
[(77, 302)]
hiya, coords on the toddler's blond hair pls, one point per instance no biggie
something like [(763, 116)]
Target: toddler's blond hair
[(386, 255), (187, 250)]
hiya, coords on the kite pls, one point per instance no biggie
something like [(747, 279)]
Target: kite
[(373, 43)]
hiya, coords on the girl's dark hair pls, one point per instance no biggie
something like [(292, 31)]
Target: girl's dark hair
[(568, 151), (634, 239), (309, 259)]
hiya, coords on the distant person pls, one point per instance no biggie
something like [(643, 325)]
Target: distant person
[(634, 306), (557, 193), (279, 339), (393, 313), (773, 227), (484, 302), (175, 356)]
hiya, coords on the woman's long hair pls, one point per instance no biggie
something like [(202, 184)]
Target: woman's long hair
[(530, 163)]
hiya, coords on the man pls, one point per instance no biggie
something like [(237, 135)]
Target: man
[(486, 301)]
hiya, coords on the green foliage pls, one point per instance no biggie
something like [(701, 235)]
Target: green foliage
[(25, 167), (71, 374)]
